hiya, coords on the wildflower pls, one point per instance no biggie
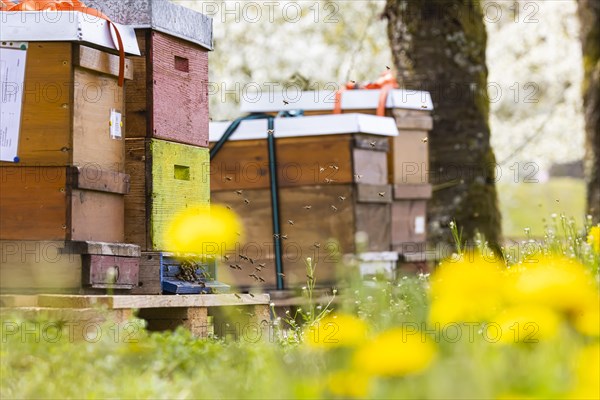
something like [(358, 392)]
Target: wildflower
[(395, 352), (349, 384), (336, 331), (203, 230), (528, 324), (552, 281), (593, 238), (587, 321), (456, 285)]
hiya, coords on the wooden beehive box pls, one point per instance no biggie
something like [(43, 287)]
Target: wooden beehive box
[(62, 203), (66, 266), (169, 96), (332, 172), (409, 156), (166, 178), (409, 217), (70, 89)]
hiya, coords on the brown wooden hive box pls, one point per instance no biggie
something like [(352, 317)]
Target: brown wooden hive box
[(62, 203), (69, 92), (332, 173), (409, 156), (409, 212)]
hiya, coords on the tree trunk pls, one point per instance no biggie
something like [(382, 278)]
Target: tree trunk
[(439, 46), (589, 18)]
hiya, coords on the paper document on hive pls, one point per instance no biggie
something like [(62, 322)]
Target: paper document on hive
[(12, 75)]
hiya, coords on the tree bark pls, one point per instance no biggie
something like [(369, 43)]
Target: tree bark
[(589, 18), (439, 46)]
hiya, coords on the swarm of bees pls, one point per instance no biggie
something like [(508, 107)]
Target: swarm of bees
[(187, 272)]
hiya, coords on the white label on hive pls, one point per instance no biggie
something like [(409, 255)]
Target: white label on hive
[(12, 75), (420, 225), (116, 124)]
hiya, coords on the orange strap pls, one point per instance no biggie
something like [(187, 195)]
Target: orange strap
[(386, 82), (69, 5)]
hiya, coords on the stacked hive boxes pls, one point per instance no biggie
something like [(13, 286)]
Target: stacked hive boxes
[(62, 198), (167, 131), (408, 158), (333, 183)]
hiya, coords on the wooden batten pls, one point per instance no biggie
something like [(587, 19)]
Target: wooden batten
[(99, 180), (412, 119), (412, 191), (100, 61), (374, 193)]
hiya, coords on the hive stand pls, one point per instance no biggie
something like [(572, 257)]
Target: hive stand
[(240, 317)]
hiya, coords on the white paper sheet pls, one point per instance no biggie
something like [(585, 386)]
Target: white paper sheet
[(12, 76)]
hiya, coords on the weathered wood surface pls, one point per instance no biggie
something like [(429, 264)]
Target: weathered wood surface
[(99, 180), (149, 275), (168, 98), (38, 203), (412, 191), (166, 178), (45, 137), (374, 194), (33, 203), (100, 61), (94, 97), (409, 158), (101, 271), (244, 164), (323, 232), (96, 216), (408, 221), (150, 301), (66, 108), (103, 248), (138, 99), (180, 93)]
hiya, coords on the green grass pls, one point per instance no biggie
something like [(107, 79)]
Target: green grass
[(529, 205)]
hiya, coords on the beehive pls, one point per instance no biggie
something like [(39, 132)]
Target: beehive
[(166, 178), (168, 99), (408, 158), (70, 90), (332, 172)]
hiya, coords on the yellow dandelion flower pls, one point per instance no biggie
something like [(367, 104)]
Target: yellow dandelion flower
[(336, 331), (528, 324), (587, 321), (588, 374), (469, 289), (349, 384), (395, 353), (557, 282), (203, 230), (593, 238)]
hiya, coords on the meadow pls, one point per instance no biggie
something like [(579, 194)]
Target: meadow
[(480, 326)]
